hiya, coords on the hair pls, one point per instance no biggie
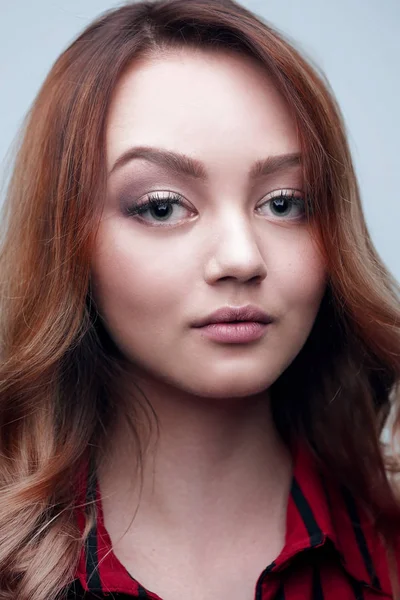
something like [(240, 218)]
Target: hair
[(59, 366)]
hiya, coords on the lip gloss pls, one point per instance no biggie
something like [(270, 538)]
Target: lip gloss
[(234, 333)]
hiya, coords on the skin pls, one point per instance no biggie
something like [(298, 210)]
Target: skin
[(219, 459)]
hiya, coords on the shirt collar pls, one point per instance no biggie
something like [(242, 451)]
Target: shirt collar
[(319, 513)]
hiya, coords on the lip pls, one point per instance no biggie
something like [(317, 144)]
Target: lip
[(230, 314), (234, 333)]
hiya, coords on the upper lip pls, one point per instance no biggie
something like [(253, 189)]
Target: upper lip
[(227, 314)]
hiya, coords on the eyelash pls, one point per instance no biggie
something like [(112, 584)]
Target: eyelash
[(154, 200)]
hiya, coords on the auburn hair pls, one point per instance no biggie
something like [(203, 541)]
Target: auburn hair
[(58, 367)]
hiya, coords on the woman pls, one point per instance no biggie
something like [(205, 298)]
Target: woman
[(182, 169)]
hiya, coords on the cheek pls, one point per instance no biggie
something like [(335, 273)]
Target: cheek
[(301, 283), (297, 279), (132, 278)]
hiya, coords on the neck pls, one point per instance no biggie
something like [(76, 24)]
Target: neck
[(213, 459)]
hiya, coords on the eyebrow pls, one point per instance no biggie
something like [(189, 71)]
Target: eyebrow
[(182, 164)]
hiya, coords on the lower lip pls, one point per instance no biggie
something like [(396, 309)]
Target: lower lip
[(234, 333)]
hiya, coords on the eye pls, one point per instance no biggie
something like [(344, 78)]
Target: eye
[(159, 208), (285, 204)]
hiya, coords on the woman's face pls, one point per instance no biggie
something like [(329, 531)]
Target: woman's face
[(236, 239)]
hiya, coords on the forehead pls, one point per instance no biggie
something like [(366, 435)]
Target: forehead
[(218, 106)]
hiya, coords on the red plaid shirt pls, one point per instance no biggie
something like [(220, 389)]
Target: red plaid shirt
[(331, 551)]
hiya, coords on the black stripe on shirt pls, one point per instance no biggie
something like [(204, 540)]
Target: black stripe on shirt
[(91, 550), (280, 595), (261, 579), (306, 513), (359, 535), (357, 589), (142, 592), (317, 592)]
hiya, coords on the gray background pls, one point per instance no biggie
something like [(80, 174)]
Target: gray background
[(355, 42)]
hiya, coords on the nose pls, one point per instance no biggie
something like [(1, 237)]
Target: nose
[(234, 251)]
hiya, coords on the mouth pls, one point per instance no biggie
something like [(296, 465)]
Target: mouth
[(235, 315), (234, 332)]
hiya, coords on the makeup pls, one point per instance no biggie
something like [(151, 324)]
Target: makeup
[(234, 333)]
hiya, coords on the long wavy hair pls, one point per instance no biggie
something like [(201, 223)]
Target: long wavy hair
[(58, 371)]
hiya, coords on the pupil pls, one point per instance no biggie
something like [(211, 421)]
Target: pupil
[(163, 209), (280, 205)]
